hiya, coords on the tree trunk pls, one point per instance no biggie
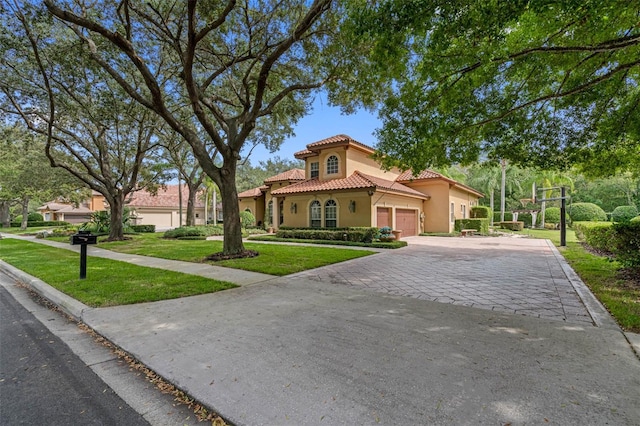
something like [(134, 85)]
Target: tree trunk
[(503, 163), (5, 216), (231, 211), (491, 205), (116, 230), (25, 213), (191, 205)]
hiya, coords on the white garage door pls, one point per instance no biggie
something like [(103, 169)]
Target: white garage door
[(160, 220)]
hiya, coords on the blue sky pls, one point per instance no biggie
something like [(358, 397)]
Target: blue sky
[(324, 121)]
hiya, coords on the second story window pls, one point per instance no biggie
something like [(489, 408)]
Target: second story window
[(332, 165), (315, 169)]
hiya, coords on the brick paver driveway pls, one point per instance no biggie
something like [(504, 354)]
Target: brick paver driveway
[(515, 275)]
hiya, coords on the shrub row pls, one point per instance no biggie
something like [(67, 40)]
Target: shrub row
[(622, 240), (194, 231), (480, 212), (514, 226), (143, 228), (34, 224), (356, 234), (480, 225)]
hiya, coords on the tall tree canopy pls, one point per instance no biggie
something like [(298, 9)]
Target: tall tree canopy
[(244, 70), (93, 129), (541, 83)]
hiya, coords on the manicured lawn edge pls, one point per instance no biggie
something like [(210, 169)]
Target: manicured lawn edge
[(108, 282)]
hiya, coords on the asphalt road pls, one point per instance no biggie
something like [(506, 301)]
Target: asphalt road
[(43, 382)]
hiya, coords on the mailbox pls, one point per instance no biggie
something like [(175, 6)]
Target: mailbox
[(83, 237)]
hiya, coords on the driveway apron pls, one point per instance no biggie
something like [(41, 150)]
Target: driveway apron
[(512, 275)]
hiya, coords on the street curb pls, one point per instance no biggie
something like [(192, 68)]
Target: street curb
[(601, 317), (67, 304)]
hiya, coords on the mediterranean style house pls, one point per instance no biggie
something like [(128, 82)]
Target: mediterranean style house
[(342, 186)]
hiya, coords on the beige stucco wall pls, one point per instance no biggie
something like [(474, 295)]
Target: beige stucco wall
[(301, 216), (362, 161), (436, 209)]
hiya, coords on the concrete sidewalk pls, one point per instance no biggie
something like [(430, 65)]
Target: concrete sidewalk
[(295, 351)]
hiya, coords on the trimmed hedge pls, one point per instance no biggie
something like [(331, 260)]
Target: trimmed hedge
[(40, 223), (586, 212), (194, 231), (356, 234), (624, 213), (480, 225), (514, 226), (599, 235), (552, 215), (627, 243), (247, 219), (480, 212), (622, 240), (143, 228)]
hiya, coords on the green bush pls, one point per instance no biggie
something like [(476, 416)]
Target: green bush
[(480, 212), (552, 215), (514, 226), (356, 234), (247, 219), (40, 223), (194, 231), (527, 218), (627, 243), (508, 216), (624, 213), (599, 235), (480, 225), (143, 228), (635, 219), (32, 217), (586, 212)]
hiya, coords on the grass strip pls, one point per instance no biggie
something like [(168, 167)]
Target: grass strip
[(276, 259), (108, 282)]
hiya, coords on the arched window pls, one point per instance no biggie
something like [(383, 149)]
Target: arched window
[(269, 219), (332, 165), (315, 213), (281, 212), (330, 214)]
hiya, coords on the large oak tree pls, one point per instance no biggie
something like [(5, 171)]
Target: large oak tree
[(550, 84), (93, 129), (244, 69)]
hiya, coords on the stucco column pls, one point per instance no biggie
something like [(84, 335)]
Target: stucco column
[(275, 219)]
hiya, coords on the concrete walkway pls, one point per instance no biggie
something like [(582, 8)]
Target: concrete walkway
[(299, 350)]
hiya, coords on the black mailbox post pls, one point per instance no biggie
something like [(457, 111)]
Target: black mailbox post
[(83, 238)]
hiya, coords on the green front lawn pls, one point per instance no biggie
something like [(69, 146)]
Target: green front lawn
[(108, 282), (603, 277), (274, 259)]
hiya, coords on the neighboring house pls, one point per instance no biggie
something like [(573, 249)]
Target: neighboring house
[(342, 186), (163, 209), (65, 212), (68, 212)]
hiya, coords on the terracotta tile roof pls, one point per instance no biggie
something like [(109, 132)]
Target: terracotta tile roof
[(425, 174), (337, 140), (65, 208), (303, 153), (251, 193), (165, 198), (289, 175), (357, 180), (408, 176)]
